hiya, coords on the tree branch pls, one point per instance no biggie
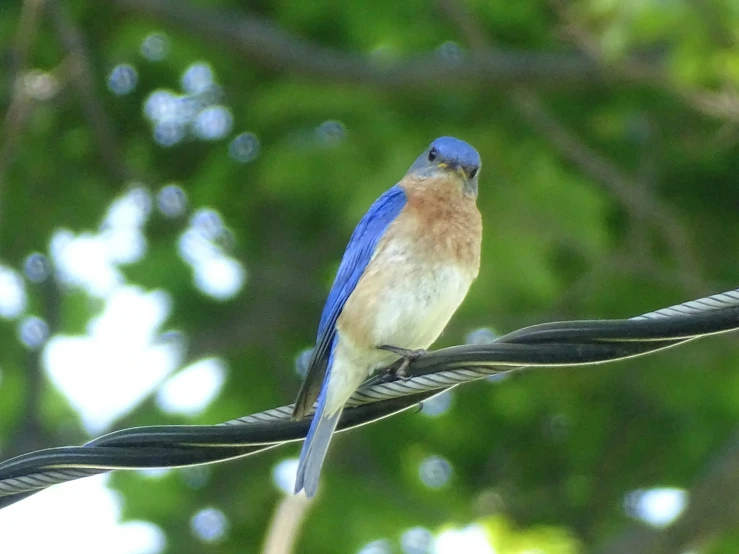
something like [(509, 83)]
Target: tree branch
[(721, 104), (84, 83), (286, 524), (637, 200), (268, 46), (21, 103), (30, 431)]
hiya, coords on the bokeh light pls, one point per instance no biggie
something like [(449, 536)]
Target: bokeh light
[(658, 507), (331, 133), (172, 200), (213, 123), (200, 245), (207, 222), (154, 473), (558, 427), (110, 349), (483, 335), (155, 47), (89, 260), (193, 113), (168, 133), (124, 246), (197, 78), (193, 388), (36, 267), (302, 360), (163, 105), (33, 332), (220, 277), (437, 405), (283, 475), (244, 147), (85, 514), (470, 540), (435, 472), (12, 293), (119, 361), (417, 540), (194, 247), (131, 209), (40, 85), (451, 51), (498, 377), (209, 525), (83, 261), (123, 79), (170, 114), (195, 477), (382, 546)]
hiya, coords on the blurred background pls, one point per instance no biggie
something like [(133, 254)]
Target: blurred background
[(178, 180)]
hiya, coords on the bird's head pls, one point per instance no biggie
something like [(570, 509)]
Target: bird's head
[(449, 157)]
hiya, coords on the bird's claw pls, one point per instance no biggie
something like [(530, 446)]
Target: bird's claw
[(407, 354)]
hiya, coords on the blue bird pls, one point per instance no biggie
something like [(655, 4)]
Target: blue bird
[(406, 270)]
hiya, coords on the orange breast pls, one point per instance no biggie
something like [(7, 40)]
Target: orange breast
[(420, 272), (448, 225)]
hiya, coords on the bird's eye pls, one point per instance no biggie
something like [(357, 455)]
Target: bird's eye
[(473, 173), (432, 154)]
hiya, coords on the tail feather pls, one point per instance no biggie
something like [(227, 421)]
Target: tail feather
[(315, 447)]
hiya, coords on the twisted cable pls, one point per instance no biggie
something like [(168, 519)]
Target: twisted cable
[(549, 345)]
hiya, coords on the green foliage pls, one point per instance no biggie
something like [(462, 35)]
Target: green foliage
[(540, 460)]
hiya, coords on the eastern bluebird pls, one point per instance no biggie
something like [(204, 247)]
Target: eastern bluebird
[(406, 269)]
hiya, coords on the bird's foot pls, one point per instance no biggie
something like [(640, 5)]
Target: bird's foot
[(408, 355)]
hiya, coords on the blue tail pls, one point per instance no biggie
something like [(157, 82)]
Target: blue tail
[(315, 446)]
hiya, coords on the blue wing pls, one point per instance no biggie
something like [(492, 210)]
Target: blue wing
[(358, 253)]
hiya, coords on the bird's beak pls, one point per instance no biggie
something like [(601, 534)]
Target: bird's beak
[(470, 186), (458, 169)]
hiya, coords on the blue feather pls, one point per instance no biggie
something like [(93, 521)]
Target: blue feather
[(316, 445), (358, 254)]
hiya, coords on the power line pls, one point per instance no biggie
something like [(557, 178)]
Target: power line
[(549, 345)]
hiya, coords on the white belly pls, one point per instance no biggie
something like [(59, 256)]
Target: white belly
[(406, 302), (414, 312), (411, 314)]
